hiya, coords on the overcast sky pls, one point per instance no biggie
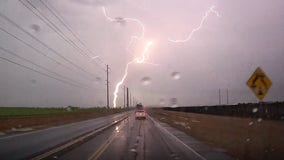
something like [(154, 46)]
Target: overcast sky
[(222, 54)]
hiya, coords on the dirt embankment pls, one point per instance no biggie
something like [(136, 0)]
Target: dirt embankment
[(8, 124), (243, 138)]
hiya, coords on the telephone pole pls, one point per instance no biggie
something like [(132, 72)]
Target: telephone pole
[(107, 71), (127, 97), (227, 96), (124, 96), (219, 96), (130, 99)]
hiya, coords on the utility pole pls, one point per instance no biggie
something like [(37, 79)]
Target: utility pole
[(133, 101), (130, 99), (219, 96), (227, 96), (107, 71), (124, 96), (127, 97)]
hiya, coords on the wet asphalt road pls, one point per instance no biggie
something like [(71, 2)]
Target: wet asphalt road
[(22, 146), (143, 140), (127, 140)]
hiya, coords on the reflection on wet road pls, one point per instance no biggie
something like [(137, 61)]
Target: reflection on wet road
[(142, 139)]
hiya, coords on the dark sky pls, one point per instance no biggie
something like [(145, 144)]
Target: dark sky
[(223, 53)]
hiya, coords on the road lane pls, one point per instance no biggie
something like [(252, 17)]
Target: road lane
[(24, 145), (143, 139)]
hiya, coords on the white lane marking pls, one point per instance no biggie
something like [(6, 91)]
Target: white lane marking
[(66, 125), (177, 139)]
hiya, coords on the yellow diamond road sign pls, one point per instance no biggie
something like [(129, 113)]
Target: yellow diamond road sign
[(259, 83)]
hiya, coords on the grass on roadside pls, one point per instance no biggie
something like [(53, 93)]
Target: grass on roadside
[(244, 138), (31, 111), (21, 117)]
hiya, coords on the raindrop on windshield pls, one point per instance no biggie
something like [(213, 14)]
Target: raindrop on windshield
[(175, 75), (146, 81), (254, 110), (174, 102), (33, 82), (98, 79), (35, 27), (162, 102)]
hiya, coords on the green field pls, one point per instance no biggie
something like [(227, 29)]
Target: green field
[(30, 111)]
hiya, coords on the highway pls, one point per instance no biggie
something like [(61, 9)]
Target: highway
[(123, 137)]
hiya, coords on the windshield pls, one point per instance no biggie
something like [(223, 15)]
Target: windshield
[(209, 70)]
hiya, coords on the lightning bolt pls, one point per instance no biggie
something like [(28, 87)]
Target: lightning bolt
[(144, 56), (140, 60), (93, 58), (211, 10), (137, 21), (107, 17), (135, 37)]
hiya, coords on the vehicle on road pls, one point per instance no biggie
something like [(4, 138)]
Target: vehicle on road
[(140, 114)]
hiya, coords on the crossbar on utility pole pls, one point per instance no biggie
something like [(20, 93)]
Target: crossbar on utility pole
[(107, 71)]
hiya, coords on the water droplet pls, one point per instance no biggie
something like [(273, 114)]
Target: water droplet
[(162, 102), (97, 80), (254, 110), (175, 75), (35, 27), (174, 102), (146, 81), (133, 150), (259, 119), (250, 123), (33, 81), (69, 108), (116, 128), (175, 105)]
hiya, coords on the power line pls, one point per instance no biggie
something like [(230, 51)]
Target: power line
[(45, 45), (63, 22), (56, 29), (44, 74), (51, 25), (35, 49), (41, 67)]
